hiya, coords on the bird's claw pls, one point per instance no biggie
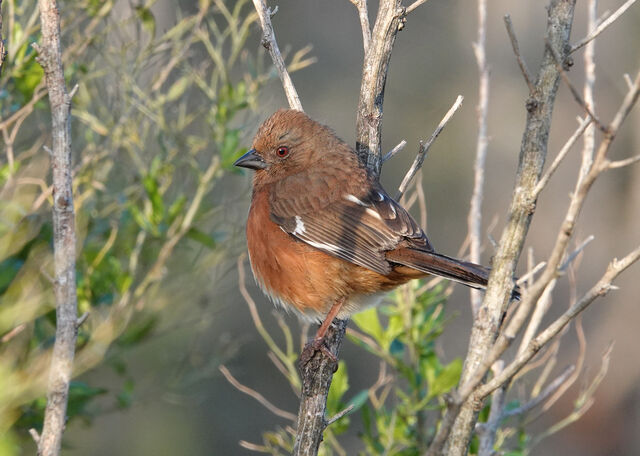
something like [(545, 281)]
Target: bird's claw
[(314, 346)]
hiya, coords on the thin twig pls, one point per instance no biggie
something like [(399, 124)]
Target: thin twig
[(389, 18), (623, 163), (270, 44), (540, 398), (602, 287), (532, 272), (474, 219), (394, 151), (339, 415), (516, 51), (415, 5), (603, 25), (589, 141), (573, 90), (363, 15), (424, 148), (573, 255), (584, 123), (256, 395)]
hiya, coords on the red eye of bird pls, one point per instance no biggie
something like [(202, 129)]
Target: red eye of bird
[(282, 151)]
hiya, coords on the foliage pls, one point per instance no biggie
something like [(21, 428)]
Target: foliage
[(157, 122)]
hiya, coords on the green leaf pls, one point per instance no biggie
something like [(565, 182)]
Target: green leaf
[(138, 331), (28, 78), (446, 379), (202, 238), (358, 400), (369, 323), (157, 204), (146, 17), (125, 397)]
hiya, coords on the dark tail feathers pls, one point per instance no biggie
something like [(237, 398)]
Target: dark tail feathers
[(470, 274)]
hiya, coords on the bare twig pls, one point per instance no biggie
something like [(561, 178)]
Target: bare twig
[(474, 219), (82, 319), (623, 163), (602, 287), (560, 65), (415, 5), (531, 273), (339, 415), (583, 403), (64, 237), (589, 142), (363, 15), (603, 25), (543, 396), (34, 435), (395, 150), (573, 255), (256, 395), (424, 148), (584, 123), (12, 333), (374, 76), (516, 51), (270, 44)]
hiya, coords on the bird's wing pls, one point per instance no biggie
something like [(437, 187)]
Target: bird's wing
[(359, 229)]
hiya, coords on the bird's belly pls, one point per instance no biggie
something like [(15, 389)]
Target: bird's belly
[(302, 278)]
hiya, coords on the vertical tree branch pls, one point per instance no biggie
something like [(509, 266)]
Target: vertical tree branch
[(64, 237), (474, 220), (589, 144), (374, 76), (532, 157)]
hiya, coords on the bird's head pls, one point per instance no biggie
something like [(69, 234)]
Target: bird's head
[(288, 143)]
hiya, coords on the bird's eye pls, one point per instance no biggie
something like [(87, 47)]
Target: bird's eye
[(282, 151)]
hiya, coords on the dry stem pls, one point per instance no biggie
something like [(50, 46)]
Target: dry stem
[(64, 237)]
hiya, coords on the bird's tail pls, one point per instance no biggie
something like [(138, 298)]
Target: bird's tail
[(470, 274)]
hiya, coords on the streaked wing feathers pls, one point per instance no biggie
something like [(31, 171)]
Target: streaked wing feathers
[(359, 229)]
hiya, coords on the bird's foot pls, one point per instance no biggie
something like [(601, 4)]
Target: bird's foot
[(316, 345)]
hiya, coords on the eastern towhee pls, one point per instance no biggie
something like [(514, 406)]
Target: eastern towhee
[(324, 237)]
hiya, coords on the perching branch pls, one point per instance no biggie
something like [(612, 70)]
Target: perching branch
[(64, 237)]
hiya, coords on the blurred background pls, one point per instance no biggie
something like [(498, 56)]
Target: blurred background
[(166, 86)]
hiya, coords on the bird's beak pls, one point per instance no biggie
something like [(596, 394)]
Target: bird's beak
[(251, 160)]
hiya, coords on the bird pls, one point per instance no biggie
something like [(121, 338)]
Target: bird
[(324, 237)]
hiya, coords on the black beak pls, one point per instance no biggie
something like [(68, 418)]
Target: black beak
[(251, 160)]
